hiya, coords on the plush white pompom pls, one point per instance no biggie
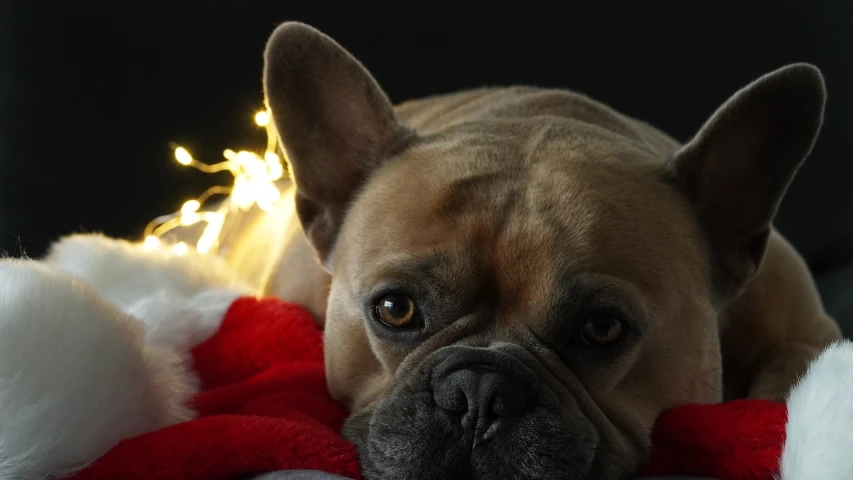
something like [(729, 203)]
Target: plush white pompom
[(76, 375), (125, 272), (182, 323), (820, 419)]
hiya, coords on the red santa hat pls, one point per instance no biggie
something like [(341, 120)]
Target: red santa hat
[(808, 437)]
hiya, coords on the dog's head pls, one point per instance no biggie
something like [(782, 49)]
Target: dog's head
[(523, 298)]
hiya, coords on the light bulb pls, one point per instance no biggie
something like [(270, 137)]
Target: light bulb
[(262, 118), (190, 206), (181, 248), (151, 242), (183, 156)]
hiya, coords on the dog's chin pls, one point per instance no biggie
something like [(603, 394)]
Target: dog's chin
[(407, 437)]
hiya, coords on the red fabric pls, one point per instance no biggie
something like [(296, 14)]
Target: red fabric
[(737, 440), (264, 407)]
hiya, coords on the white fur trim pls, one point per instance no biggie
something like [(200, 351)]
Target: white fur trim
[(819, 433), (179, 322), (126, 273), (75, 374)]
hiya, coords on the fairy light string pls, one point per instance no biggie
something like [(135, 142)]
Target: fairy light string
[(255, 184)]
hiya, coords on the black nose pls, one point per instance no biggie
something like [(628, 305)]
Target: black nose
[(484, 395)]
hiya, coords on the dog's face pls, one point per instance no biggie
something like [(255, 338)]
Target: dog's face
[(521, 304), (522, 299)]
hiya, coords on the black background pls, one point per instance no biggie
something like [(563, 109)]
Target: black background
[(93, 92)]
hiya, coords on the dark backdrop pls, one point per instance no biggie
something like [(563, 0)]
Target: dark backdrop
[(92, 92)]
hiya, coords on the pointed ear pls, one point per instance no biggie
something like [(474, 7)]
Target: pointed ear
[(335, 124), (737, 168)]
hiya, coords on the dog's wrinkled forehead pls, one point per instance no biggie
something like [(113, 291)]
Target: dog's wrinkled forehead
[(519, 207)]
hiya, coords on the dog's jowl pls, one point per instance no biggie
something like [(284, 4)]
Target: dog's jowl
[(521, 280)]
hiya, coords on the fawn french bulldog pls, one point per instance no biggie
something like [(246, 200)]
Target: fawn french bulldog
[(516, 282)]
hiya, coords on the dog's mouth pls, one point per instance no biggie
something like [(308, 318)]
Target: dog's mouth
[(407, 437), (486, 413)]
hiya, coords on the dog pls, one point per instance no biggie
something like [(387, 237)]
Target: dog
[(516, 282)]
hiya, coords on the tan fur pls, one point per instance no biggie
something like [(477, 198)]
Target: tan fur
[(515, 198), (780, 313)]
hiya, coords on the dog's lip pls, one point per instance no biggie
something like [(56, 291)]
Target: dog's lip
[(588, 409), (491, 431), (474, 445)]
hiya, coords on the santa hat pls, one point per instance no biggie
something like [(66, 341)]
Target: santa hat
[(808, 437), (118, 362)]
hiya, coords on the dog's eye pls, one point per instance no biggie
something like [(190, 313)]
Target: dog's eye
[(395, 310), (602, 329)]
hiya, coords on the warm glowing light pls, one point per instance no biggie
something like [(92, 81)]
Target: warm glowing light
[(183, 156), (262, 118), (190, 218), (151, 241), (181, 248), (276, 169), (211, 233), (190, 206), (255, 178)]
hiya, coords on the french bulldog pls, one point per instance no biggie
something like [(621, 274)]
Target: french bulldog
[(516, 282)]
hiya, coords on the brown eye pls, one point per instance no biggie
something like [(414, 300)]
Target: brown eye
[(602, 329), (395, 310)]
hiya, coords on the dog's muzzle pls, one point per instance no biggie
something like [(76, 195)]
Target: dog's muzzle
[(472, 413)]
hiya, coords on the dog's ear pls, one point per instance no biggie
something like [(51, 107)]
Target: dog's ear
[(737, 168), (334, 121)]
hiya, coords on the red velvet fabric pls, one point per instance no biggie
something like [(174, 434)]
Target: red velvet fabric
[(264, 406), (737, 440)]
